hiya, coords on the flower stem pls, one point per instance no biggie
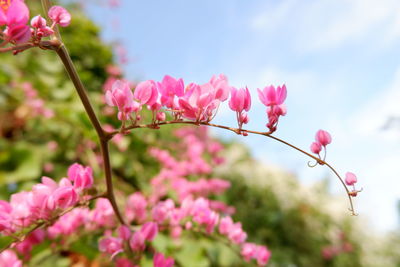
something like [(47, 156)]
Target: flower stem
[(62, 52), (109, 135)]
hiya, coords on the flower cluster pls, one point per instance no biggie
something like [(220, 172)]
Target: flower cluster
[(14, 15), (45, 201), (190, 211), (194, 102), (175, 205), (322, 139), (273, 99)]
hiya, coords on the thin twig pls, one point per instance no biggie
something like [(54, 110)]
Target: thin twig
[(109, 135)]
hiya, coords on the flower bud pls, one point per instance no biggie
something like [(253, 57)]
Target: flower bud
[(350, 178), (161, 116), (323, 137), (315, 147), (38, 22)]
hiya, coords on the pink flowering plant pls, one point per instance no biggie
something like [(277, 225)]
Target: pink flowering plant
[(182, 199)]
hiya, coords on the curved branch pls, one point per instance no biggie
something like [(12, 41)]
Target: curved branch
[(110, 135)]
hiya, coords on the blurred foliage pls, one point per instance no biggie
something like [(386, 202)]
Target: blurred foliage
[(272, 205)]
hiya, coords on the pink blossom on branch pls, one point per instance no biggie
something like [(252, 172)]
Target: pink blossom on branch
[(146, 93), (323, 137), (315, 147), (40, 26), (121, 96), (240, 101), (350, 178), (13, 12), (273, 99), (270, 96), (81, 176), (170, 89), (60, 16), (18, 33), (221, 87)]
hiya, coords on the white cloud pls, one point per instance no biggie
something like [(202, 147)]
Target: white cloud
[(326, 24)]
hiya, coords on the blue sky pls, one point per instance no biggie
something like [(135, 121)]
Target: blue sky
[(340, 60)]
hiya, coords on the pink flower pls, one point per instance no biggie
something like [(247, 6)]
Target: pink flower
[(38, 22), (111, 245), (160, 260), (170, 88), (270, 96), (65, 197), (232, 230), (202, 214), (199, 102), (41, 28), (13, 12), (137, 242), (5, 210), (124, 232), (146, 93), (316, 147), (69, 223), (161, 116), (21, 214), (60, 15), (240, 100), (10, 259), (263, 255), (323, 137), (351, 178), (121, 96), (18, 33), (149, 231), (221, 86), (162, 211), (225, 225), (136, 207), (81, 176), (273, 99), (103, 214)]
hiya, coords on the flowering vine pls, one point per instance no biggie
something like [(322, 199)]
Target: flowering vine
[(176, 204)]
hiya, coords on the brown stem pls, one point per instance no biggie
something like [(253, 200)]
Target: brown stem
[(238, 131), (80, 88), (151, 126), (73, 74), (107, 170), (17, 47)]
